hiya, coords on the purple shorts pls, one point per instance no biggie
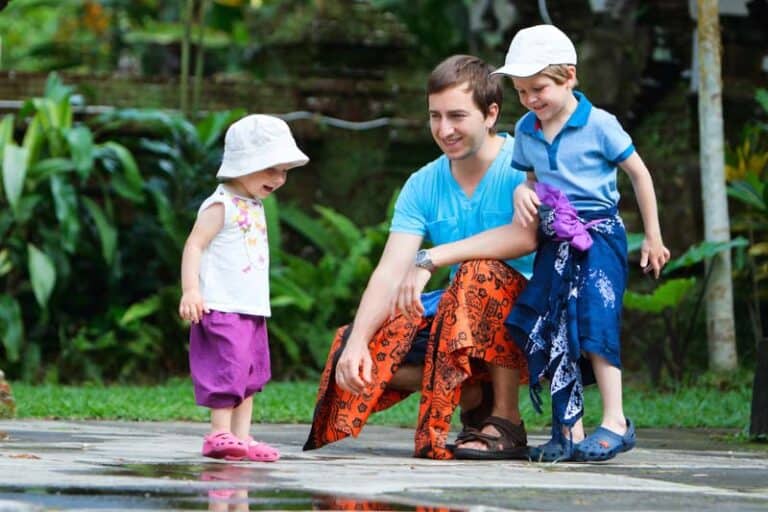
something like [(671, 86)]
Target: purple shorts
[(228, 358)]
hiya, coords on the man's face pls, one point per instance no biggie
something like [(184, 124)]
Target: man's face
[(458, 125)]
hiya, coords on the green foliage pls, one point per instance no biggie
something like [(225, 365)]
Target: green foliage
[(669, 312), (56, 164), (748, 186), (312, 298), (706, 402)]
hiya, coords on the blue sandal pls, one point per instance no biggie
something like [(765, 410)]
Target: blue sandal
[(557, 449), (604, 444)]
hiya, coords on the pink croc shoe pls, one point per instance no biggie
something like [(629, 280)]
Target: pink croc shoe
[(261, 452), (224, 445)]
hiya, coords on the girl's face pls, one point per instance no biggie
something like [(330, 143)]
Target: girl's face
[(547, 99), (260, 184)]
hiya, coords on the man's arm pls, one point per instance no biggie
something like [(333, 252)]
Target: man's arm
[(353, 370), (505, 242)]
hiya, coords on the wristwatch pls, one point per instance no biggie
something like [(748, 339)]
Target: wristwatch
[(424, 261)]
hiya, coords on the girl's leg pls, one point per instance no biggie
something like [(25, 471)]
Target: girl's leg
[(609, 383), (241, 418), (221, 420)]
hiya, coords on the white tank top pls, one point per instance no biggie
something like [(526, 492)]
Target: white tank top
[(234, 268)]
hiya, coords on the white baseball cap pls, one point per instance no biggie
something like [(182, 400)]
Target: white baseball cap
[(256, 143), (534, 48)]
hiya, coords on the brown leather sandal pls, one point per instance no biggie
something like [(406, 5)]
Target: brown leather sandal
[(472, 420), (511, 443)]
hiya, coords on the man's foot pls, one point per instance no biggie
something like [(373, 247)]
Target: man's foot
[(499, 438)]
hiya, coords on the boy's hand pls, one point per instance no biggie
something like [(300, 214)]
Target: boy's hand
[(191, 307), (526, 203), (653, 255)]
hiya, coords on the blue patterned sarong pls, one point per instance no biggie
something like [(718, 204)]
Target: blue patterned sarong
[(572, 306)]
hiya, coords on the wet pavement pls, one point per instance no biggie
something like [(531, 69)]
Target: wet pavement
[(63, 465)]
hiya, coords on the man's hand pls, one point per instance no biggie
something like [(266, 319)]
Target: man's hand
[(653, 255), (353, 370), (526, 203), (407, 299), (191, 307)]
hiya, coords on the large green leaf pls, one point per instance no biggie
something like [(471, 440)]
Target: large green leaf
[(14, 172), (210, 129), (6, 133), (65, 203), (761, 95), (701, 252), (309, 227), (286, 291), (747, 194), (33, 140), (50, 115), (107, 232), (272, 215), (667, 295), (11, 327), (286, 341), (634, 241), (81, 148), (42, 274), (141, 309), (55, 88), (6, 265), (350, 235), (44, 169), (132, 183)]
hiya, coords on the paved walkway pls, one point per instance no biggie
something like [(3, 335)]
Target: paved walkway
[(63, 465)]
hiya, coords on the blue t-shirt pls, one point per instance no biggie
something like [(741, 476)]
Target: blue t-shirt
[(581, 160), (433, 205)]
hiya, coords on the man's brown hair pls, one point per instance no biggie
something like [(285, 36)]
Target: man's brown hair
[(475, 72)]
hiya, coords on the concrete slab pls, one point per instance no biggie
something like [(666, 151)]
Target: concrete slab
[(66, 465)]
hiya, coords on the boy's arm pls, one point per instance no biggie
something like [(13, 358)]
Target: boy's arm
[(208, 223), (654, 255), (353, 370), (526, 200)]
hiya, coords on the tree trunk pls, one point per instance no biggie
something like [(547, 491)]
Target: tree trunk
[(721, 334)]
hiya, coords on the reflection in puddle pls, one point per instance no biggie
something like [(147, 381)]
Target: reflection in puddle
[(217, 499)]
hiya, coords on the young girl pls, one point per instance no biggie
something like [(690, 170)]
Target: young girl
[(570, 312), (225, 284)]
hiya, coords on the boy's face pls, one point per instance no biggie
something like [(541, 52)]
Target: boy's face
[(457, 124), (543, 96), (260, 184)]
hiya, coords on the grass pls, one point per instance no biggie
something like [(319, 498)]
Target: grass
[(710, 403)]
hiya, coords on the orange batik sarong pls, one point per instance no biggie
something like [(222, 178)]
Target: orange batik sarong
[(467, 329)]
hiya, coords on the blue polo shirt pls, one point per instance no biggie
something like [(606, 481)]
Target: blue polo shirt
[(581, 160), (433, 205)]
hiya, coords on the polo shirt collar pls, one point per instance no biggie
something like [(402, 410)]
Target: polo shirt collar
[(530, 123)]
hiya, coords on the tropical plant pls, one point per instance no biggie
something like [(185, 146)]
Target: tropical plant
[(62, 192), (675, 304)]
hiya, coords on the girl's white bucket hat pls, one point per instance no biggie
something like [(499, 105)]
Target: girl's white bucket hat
[(256, 143), (534, 48)]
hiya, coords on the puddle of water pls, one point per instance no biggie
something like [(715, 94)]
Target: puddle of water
[(214, 499)]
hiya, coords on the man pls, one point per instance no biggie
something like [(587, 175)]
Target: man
[(457, 341)]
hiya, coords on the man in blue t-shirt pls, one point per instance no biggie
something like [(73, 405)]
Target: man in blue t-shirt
[(452, 346)]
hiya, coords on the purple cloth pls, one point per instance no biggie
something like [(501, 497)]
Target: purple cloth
[(228, 358), (566, 225)]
